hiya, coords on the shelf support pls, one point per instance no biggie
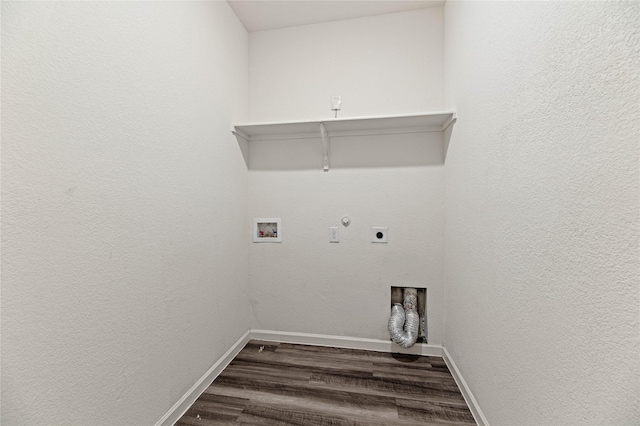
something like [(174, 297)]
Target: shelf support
[(325, 147), (240, 134), (451, 120)]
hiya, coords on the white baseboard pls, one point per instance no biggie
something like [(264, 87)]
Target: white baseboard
[(183, 404), (344, 342), (464, 388)]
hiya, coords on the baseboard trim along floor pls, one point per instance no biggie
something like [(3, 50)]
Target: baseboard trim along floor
[(344, 342), (180, 407), (464, 388), (183, 404)]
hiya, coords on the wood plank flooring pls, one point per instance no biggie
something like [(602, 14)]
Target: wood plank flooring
[(283, 384)]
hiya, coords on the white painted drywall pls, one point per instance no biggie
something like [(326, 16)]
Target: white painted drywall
[(542, 209), (306, 284), (388, 64), (123, 196)]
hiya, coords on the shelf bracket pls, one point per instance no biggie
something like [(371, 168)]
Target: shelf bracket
[(325, 147), (451, 120), (240, 134)]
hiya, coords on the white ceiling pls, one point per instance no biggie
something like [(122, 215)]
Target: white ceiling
[(258, 15)]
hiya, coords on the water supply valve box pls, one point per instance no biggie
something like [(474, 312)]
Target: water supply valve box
[(267, 230)]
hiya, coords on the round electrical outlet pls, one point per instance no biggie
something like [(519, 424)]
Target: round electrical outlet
[(379, 234)]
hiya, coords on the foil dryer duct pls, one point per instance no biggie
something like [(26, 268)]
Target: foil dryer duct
[(404, 321)]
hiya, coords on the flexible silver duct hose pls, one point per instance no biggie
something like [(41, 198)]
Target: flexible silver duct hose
[(404, 323)]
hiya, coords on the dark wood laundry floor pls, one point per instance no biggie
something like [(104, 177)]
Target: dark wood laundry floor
[(314, 385)]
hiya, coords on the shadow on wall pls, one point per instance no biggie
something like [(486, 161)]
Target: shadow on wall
[(405, 150)]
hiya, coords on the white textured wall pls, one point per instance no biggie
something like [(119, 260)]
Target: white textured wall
[(380, 66), (306, 284), (387, 64), (123, 196), (542, 209)]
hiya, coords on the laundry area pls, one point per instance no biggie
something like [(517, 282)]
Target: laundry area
[(313, 212)]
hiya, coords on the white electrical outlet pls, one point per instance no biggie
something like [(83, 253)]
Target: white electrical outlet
[(379, 234), (334, 234)]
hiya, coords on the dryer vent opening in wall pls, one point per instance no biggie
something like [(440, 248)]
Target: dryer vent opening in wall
[(397, 296)]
